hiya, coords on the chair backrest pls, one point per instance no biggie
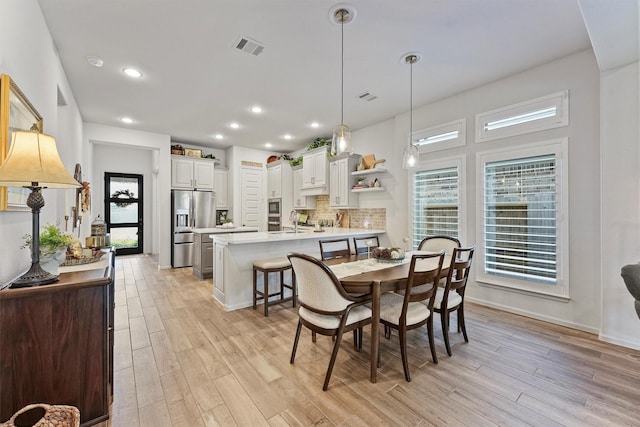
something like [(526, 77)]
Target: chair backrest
[(424, 270), (459, 270), (438, 243), (318, 288), (363, 244), (335, 248)]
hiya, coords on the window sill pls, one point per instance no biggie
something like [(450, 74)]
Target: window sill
[(528, 292)]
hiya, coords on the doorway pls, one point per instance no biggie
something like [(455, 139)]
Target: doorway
[(251, 211), (123, 207)]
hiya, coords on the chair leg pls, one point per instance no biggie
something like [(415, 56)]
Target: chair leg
[(357, 339), (444, 319), (387, 332), (255, 288), (432, 343), (461, 323), (282, 284), (402, 334), (313, 336), (265, 279), (332, 362), (294, 288), (295, 342)]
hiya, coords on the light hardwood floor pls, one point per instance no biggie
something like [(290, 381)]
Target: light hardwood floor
[(181, 360)]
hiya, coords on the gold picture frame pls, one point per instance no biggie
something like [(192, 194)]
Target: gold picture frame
[(193, 152), (16, 113)]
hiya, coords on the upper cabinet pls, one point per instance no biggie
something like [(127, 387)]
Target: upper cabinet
[(315, 171), (192, 173), (222, 188), (279, 180), (341, 181), (300, 201), (274, 181)]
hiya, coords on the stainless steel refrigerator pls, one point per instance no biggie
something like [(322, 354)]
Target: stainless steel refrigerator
[(189, 210)]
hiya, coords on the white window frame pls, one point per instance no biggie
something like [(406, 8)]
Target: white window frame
[(558, 100), (459, 126), (558, 147), (455, 161)]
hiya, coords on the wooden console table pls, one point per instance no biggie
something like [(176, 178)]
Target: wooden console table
[(56, 342)]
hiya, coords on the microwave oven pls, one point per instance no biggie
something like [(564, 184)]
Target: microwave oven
[(274, 207)]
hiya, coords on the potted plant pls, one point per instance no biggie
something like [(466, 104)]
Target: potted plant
[(53, 247)]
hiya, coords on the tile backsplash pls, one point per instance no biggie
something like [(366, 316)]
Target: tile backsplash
[(358, 218)]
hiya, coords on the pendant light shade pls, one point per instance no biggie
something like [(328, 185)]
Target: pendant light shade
[(341, 141), (411, 155)]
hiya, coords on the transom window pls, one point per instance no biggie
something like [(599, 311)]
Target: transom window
[(440, 137), (534, 115)]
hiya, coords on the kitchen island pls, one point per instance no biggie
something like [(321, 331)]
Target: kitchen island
[(203, 248), (234, 254)]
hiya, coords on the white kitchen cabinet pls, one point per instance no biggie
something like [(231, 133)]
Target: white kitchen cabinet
[(192, 173), (274, 181), (368, 172), (341, 181), (279, 180), (221, 186), (315, 171), (300, 201)]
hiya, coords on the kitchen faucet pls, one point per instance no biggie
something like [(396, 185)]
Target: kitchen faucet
[(294, 217)]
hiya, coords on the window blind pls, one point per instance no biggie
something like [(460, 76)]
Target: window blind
[(435, 203), (520, 229)]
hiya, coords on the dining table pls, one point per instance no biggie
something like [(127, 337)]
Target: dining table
[(363, 275)]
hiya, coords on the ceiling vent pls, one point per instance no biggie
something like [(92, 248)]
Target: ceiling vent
[(367, 96), (248, 45)]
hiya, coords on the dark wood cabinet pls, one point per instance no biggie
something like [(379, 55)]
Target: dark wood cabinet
[(56, 344)]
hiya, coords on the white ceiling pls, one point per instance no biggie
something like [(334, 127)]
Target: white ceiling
[(195, 82)]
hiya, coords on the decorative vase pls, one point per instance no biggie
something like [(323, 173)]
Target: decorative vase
[(50, 262)]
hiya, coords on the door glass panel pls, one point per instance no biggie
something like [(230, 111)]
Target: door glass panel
[(126, 212), (125, 237), (123, 187)]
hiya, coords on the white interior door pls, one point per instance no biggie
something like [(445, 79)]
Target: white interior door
[(251, 201)]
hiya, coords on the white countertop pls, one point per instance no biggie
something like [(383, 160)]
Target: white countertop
[(220, 230), (279, 236)]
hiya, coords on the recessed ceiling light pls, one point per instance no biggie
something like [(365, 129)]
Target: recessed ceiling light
[(315, 125), (287, 136), (256, 109), (268, 145), (95, 61), (234, 125), (127, 120), (132, 72), (219, 136)]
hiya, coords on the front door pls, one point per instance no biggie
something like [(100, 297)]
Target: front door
[(123, 211)]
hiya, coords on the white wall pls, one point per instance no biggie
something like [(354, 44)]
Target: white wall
[(620, 194), (159, 147), (28, 57), (118, 159), (577, 73)]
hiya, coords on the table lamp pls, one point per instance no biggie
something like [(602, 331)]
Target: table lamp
[(34, 163)]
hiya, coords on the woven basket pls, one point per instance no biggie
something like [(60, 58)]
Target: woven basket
[(44, 415)]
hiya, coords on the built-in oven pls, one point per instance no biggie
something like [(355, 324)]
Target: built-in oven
[(274, 215)]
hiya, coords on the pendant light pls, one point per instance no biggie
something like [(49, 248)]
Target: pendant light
[(411, 155), (341, 141)]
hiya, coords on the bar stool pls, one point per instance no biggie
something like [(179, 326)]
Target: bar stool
[(267, 266)]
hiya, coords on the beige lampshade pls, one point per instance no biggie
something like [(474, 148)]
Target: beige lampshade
[(33, 158)]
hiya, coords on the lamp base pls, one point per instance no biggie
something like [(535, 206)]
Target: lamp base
[(36, 276)]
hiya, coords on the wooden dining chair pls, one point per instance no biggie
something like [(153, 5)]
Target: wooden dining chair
[(334, 248), (325, 307), (362, 245), (406, 312), (438, 243), (451, 297)]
